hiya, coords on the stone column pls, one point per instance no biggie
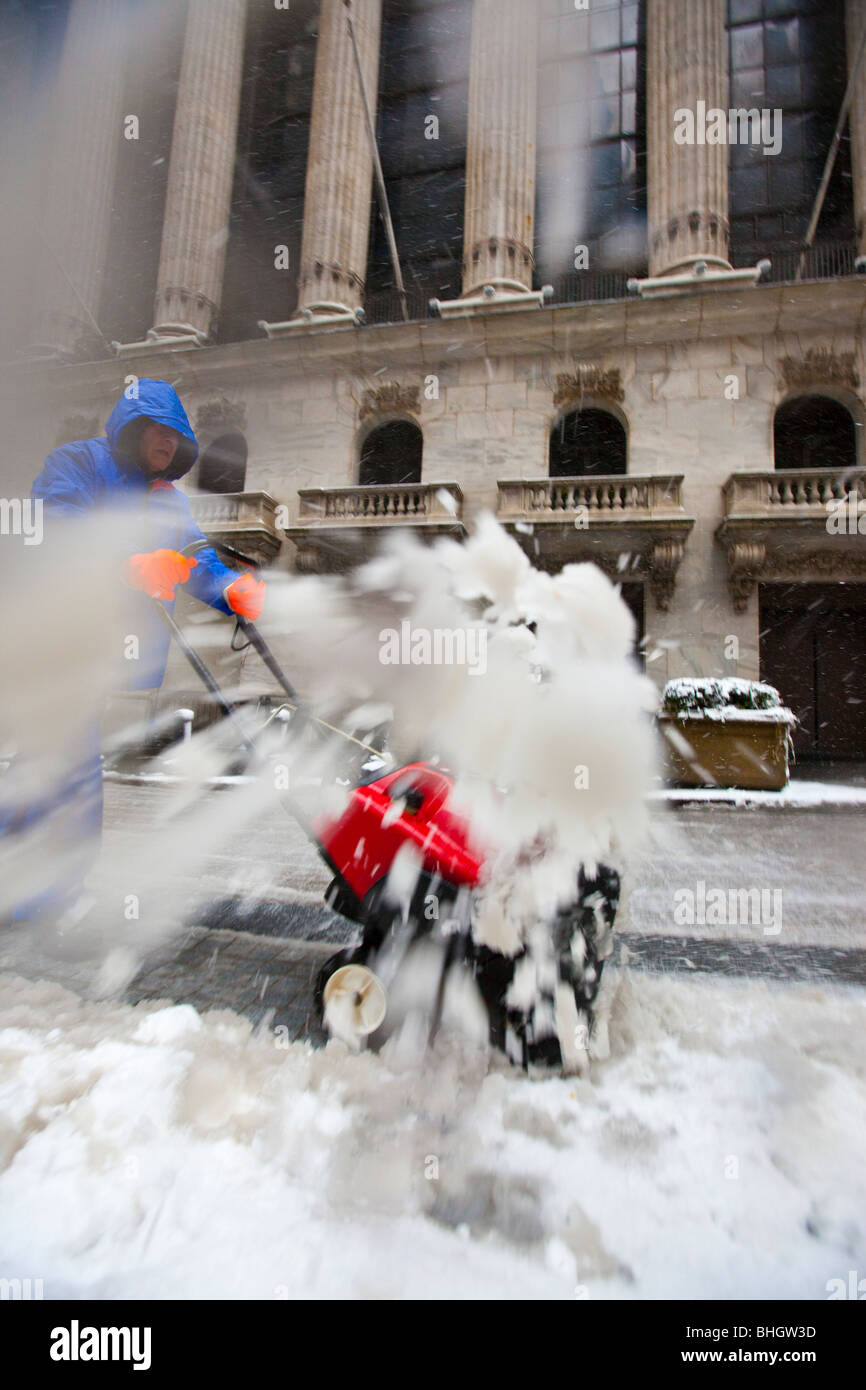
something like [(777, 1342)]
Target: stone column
[(198, 196), (501, 147), (855, 19), (84, 137), (688, 183), (337, 195)]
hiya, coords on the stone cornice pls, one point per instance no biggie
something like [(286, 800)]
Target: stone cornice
[(588, 329)]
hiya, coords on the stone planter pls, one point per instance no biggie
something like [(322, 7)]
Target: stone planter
[(745, 748)]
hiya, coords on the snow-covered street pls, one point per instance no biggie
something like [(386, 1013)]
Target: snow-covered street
[(154, 1152)]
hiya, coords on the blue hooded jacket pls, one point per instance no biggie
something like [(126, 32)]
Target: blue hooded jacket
[(104, 473)]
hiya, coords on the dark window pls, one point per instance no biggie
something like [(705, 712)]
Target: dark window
[(788, 55), (814, 432), (422, 116), (587, 443), (391, 454), (267, 208), (591, 145), (32, 33), (223, 465)]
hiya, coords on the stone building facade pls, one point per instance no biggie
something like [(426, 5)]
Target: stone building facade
[(609, 336)]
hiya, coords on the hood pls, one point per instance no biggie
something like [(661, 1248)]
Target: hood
[(154, 400)]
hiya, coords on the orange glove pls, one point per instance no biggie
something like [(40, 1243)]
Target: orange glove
[(246, 595), (158, 572)]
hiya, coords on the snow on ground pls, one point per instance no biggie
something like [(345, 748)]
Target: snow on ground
[(797, 793), (150, 1152)]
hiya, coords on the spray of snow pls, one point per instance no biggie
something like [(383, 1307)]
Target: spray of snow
[(550, 741)]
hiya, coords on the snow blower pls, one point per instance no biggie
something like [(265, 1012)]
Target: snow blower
[(418, 956)]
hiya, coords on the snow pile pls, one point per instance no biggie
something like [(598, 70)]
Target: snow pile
[(730, 714), (150, 1152), (802, 794)]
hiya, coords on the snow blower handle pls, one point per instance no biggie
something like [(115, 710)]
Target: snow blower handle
[(248, 627), (202, 672), (303, 717), (257, 640)]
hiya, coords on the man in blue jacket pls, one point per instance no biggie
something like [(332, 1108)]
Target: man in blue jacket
[(148, 444)]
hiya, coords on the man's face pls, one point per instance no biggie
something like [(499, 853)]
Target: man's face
[(157, 446)]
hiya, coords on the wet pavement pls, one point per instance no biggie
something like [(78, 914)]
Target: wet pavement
[(268, 980)]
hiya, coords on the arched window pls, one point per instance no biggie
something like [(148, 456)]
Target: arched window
[(814, 432), (585, 443), (391, 454), (223, 464)]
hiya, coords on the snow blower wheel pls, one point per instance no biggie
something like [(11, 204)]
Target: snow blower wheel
[(355, 1003)]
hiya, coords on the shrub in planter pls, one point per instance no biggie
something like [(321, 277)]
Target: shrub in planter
[(726, 733)]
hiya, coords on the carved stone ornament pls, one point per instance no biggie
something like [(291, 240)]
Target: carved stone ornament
[(390, 399), (589, 379), (820, 367), (817, 564), (746, 562), (221, 415), (76, 427), (663, 562)]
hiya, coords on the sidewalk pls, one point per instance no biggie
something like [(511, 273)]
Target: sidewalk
[(811, 785), (260, 977)]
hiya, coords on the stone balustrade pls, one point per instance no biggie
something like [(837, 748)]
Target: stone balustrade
[(380, 505), (339, 526), (632, 526), (796, 525), (605, 496), (806, 490), (244, 521)]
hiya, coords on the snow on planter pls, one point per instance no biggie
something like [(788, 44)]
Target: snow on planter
[(726, 732)]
